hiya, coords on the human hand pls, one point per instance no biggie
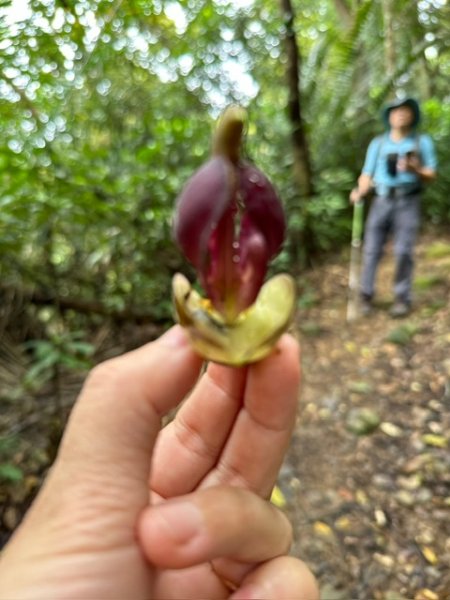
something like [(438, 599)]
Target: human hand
[(355, 196), (364, 187), (410, 162), (92, 532)]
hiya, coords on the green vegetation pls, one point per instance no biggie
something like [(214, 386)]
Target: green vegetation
[(106, 108), (403, 334), (9, 471), (438, 250)]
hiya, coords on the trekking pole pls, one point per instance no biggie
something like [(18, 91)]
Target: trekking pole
[(355, 261)]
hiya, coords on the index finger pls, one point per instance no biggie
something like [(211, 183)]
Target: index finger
[(262, 430), (234, 428)]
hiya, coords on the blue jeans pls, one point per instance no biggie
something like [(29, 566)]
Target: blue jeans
[(399, 216)]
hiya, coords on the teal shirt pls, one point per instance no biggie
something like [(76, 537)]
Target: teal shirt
[(375, 163)]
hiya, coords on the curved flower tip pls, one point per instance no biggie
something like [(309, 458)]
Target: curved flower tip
[(230, 128), (251, 336), (229, 221)]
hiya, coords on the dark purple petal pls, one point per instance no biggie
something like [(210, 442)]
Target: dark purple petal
[(200, 207), (229, 223), (253, 260), (262, 206), (221, 276)]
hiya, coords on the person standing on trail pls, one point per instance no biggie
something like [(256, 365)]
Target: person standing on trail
[(396, 166)]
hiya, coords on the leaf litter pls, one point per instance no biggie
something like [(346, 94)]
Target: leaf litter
[(370, 505)]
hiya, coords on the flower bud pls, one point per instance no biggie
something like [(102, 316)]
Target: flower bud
[(229, 221)]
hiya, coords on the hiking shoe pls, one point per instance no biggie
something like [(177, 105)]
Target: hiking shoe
[(399, 309), (365, 307)]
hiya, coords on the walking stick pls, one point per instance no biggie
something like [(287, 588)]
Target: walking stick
[(355, 261)]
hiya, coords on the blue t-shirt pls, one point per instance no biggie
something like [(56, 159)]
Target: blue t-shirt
[(376, 161)]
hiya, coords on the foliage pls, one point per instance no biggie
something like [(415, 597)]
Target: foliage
[(403, 334), (9, 472), (107, 109), (66, 350)]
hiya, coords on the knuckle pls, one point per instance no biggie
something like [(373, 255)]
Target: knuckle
[(108, 373)]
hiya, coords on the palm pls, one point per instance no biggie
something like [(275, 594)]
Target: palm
[(232, 430)]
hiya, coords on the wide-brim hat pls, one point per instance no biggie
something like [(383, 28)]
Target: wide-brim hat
[(410, 102)]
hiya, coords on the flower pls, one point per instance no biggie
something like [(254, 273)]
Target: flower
[(230, 223)]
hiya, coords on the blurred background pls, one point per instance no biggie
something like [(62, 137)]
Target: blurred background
[(107, 107)]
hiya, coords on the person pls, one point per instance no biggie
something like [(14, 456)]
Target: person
[(198, 524), (396, 166)]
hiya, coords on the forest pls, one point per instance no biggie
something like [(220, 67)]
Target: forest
[(106, 109)]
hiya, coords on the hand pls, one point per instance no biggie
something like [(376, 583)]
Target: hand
[(365, 185), (355, 196), (410, 163), (208, 528)]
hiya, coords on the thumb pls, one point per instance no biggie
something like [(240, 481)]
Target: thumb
[(114, 424)]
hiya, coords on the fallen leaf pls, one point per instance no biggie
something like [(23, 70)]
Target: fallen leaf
[(278, 498), (401, 336), (426, 594), (405, 498), (413, 482), (366, 352), (323, 529), (346, 494), (438, 441), (430, 555), (391, 429), (362, 421), (361, 498), (384, 559), (380, 517), (351, 347), (343, 523), (360, 387), (416, 463)]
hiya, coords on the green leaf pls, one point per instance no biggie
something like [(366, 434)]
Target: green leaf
[(362, 421), (402, 335), (9, 472)]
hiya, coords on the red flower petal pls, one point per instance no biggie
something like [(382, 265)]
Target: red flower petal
[(229, 223)]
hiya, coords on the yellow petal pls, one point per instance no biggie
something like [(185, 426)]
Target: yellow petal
[(251, 336)]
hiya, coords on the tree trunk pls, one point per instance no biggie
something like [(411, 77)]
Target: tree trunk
[(302, 242), (389, 40), (302, 162)]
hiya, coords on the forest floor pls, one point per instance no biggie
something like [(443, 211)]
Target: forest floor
[(367, 478), (366, 481)]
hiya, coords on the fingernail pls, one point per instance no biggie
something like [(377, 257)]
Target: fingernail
[(175, 337), (248, 592), (181, 520)]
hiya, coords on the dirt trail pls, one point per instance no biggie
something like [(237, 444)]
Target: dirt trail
[(367, 478)]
